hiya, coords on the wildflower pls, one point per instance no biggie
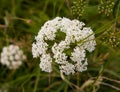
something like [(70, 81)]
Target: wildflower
[(106, 7), (45, 63), (51, 47), (78, 7), (12, 56)]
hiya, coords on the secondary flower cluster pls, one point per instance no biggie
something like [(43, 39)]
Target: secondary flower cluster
[(12, 56), (75, 33)]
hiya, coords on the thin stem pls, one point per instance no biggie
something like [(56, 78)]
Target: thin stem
[(116, 15), (68, 5), (99, 75), (36, 82), (3, 26), (13, 7), (68, 82), (52, 85), (109, 85), (78, 79), (116, 81)]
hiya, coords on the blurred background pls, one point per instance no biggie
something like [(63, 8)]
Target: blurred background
[(20, 21)]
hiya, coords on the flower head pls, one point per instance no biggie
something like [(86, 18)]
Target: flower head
[(64, 42), (12, 56)]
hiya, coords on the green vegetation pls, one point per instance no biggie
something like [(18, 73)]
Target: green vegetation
[(20, 21)]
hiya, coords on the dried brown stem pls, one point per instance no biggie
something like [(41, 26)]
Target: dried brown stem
[(3, 26), (109, 85)]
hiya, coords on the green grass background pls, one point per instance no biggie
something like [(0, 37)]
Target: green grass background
[(21, 21)]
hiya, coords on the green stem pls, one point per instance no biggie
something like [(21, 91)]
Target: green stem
[(13, 8), (116, 15), (117, 10), (78, 79), (36, 82)]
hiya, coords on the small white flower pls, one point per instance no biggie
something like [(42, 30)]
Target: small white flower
[(75, 33), (81, 66), (46, 63), (60, 58), (78, 55), (67, 68), (12, 56)]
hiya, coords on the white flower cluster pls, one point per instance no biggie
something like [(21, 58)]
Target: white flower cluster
[(12, 56), (75, 33)]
